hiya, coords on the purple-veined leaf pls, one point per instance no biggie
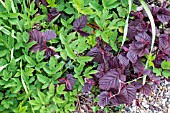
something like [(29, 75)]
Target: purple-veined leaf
[(96, 53), (137, 85), (163, 15), (145, 89), (109, 81), (70, 82), (87, 87), (103, 98), (143, 37), (52, 14), (118, 99), (80, 23), (123, 60), (132, 56), (49, 34), (129, 92)]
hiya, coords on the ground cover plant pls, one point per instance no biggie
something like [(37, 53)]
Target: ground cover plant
[(54, 51)]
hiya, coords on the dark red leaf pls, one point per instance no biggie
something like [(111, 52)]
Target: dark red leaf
[(132, 56), (118, 99), (103, 98), (109, 80), (146, 90), (70, 82), (80, 23), (97, 54), (52, 14), (137, 85), (123, 60), (49, 34), (129, 92), (87, 87), (163, 15)]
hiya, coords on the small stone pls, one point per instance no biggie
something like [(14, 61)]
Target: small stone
[(156, 105), (160, 112), (144, 103)]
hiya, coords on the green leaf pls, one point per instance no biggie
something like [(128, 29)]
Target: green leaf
[(43, 79), (4, 30), (51, 89), (60, 89), (30, 60), (83, 59), (58, 100), (166, 73), (157, 71), (70, 52), (165, 65), (38, 18), (109, 4), (42, 97)]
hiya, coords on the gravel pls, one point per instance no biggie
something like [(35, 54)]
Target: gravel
[(157, 102)]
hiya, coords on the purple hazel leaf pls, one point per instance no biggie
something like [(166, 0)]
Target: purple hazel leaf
[(118, 99), (123, 60), (49, 34), (49, 52), (132, 56), (164, 43), (70, 82), (97, 54), (87, 87), (109, 80), (143, 37), (163, 15), (137, 85), (129, 92), (145, 89), (52, 14), (103, 98), (80, 23)]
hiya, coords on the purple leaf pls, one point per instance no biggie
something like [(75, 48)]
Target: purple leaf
[(37, 36), (146, 90), (70, 82), (126, 96), (118, 99), (49, 34), (163, 15), (80, 23), (164, 43), (123, 60), (143, 37), (137, 85), (97, 54), (103, 98), (52, 14), (138, 66), (87, 87), (49, 52), (136, 26), (44, 3), (129, 92), (109, 80), (132, 56)]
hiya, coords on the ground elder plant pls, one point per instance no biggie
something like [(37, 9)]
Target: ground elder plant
[(54, 52)]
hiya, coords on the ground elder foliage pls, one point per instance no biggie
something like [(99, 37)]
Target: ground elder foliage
[(53, 51)]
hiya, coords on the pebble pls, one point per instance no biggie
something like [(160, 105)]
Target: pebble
[(144, 103)]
